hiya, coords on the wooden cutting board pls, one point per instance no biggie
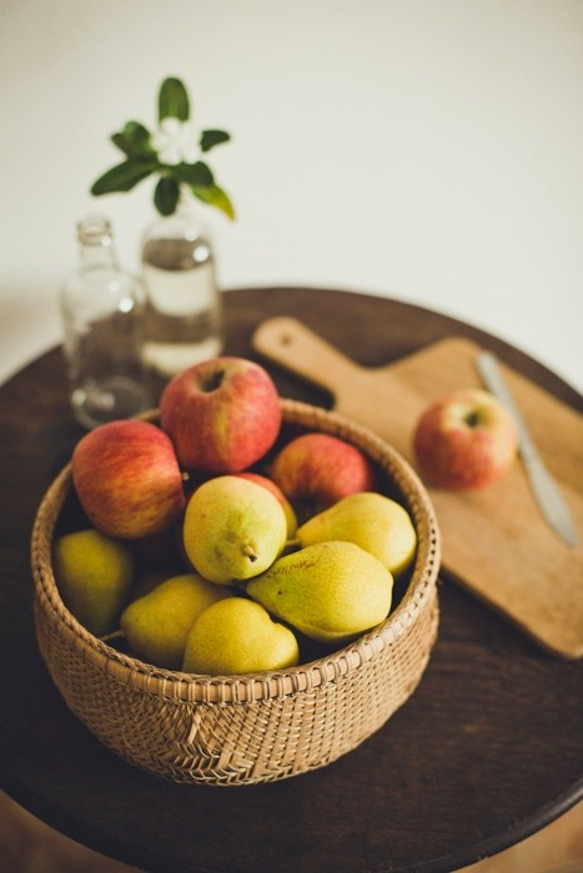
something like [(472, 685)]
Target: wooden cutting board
[(494, 541)]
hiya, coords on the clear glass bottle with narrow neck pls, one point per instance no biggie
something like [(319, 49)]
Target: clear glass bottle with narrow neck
[(102, 308), (184, 313)]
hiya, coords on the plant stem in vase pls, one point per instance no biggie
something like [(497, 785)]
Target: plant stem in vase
[(184, 314)]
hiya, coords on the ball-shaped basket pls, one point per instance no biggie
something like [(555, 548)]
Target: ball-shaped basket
[(255, 728)]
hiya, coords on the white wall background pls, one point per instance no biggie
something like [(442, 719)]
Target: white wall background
[(428, 150)]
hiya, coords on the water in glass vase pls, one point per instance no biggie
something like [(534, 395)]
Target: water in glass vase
[(183, 313)]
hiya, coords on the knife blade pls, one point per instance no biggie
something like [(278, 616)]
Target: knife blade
[(544, 488)]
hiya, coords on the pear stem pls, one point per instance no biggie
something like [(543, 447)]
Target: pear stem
[(249, 552), (114, 635)]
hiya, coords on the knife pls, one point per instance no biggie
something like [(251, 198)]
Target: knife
[(547, 495)]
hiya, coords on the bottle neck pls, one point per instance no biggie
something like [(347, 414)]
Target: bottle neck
[(96, 248), (97, 256)]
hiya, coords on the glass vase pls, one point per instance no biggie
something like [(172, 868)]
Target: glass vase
[(183, 312), (102, 307)]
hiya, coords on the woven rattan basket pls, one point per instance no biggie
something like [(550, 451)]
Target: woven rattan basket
[(256, 728)]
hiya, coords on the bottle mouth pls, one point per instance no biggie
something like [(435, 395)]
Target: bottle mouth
[(95, 230)]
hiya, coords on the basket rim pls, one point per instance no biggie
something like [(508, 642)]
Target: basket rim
[(252, 687)]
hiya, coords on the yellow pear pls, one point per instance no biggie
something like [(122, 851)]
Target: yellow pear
[(330, 591), (233, 529), (238, 636), (372, 521), (156, 625), (94, 575), (290, 513)]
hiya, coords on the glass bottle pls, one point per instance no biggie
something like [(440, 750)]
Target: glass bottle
[(103, 313), (183, 312)]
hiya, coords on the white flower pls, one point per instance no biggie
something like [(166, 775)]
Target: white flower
[(175, 142)]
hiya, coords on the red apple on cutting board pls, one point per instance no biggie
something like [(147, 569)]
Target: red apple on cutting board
[(127, 479), (321, 468), (465, 439), (222, 415)]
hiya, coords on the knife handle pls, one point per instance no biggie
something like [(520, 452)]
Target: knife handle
[(288, 342)]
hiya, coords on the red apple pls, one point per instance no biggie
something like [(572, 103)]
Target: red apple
[(222, 415), (127, 479), (321, 468), (465, 439)]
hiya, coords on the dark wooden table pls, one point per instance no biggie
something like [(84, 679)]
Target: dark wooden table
[(488, 750)]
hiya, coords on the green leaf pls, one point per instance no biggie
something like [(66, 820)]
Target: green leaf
[(134, 140), (213, 195), (124, 176), (173, 100), (166, 195), (198, 173), (211, 138)]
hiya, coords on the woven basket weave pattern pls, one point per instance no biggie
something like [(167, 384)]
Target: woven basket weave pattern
[(246, 729)]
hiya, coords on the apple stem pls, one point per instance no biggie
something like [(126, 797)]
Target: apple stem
[(213, 381), (472, 419)]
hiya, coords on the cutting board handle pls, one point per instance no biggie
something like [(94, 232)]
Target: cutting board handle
[(291, 344)]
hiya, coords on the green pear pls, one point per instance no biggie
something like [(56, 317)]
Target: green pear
[(372, 521), (94, 574), (290, 513), (330, 591), (238, 636), (156, 625), (233, 529)]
